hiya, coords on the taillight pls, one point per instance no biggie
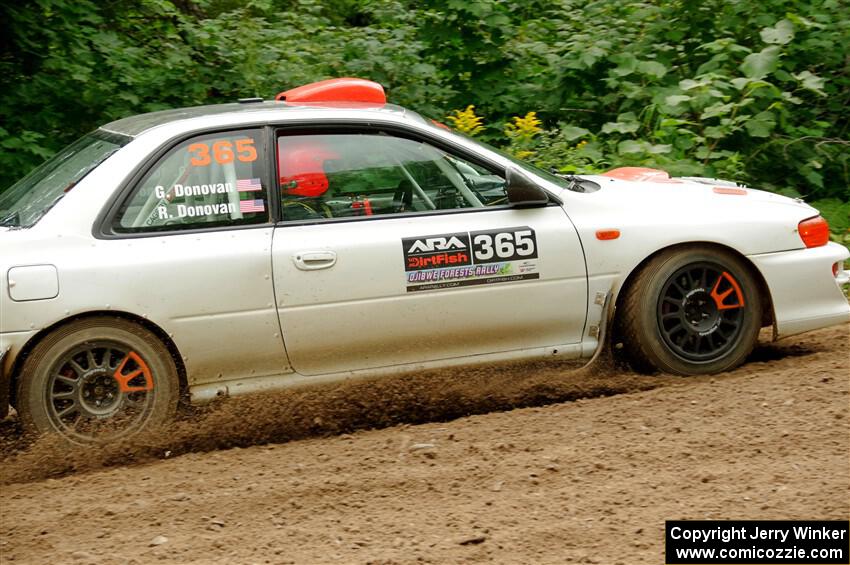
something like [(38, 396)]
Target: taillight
[(814, 232)]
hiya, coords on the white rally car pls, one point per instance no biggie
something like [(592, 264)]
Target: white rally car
[(325, 235)]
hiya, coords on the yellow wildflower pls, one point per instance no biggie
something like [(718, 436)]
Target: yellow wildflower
[(465, 121), (525, 127)]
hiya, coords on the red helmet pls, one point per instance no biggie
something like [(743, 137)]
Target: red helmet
[(301, 161)]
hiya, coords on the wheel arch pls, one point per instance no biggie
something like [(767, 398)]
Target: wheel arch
[(767, 315), (162, 335)]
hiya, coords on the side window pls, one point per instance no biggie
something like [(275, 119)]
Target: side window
[(211, 180), (360, 174)]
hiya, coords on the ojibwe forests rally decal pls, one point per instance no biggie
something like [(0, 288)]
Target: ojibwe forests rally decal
[(451, 260)]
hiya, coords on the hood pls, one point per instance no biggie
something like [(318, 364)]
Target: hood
[(653, 185), (653, 206)]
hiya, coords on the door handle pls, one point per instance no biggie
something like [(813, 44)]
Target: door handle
[(314, 260)]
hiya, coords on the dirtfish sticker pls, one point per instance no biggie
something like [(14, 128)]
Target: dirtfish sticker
[(470, 258), (436, 251)]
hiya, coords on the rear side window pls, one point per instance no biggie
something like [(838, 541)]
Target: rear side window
[(207, 181)]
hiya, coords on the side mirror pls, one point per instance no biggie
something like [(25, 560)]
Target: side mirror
[(522, 192)]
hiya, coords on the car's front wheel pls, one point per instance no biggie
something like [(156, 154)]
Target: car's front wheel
[(97, 380), (691, 311)]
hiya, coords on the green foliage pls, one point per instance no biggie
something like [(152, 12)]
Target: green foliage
[(837, 213), (72, 65), (753, 91), (689, 87)]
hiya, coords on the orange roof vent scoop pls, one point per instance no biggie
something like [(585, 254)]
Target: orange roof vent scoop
[(640, 174), (336, 90)]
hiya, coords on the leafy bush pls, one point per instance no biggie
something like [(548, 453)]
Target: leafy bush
[(837, 213), (746, 91)]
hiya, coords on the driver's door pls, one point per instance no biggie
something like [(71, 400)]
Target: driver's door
[(405, 258)]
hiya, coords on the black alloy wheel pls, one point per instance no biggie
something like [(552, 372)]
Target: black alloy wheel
[(97, 380), (96, 384), (691, 310), (701, 311)]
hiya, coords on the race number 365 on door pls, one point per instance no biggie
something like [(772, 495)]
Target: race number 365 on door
[(493, 246)]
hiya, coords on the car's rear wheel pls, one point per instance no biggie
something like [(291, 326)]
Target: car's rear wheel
[(691, 311), (97, 380)]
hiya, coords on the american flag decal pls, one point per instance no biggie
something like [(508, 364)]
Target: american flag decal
[(251, 206), (248, 185)]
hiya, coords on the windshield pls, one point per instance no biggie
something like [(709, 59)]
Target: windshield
[(563, 182), (26, 201)]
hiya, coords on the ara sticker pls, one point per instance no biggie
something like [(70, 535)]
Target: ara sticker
[(437, 250), (470, 258)]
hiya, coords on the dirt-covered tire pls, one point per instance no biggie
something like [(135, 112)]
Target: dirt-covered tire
[(97, 380), (691, 311)]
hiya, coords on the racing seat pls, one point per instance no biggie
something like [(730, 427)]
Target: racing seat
[(304, 208)]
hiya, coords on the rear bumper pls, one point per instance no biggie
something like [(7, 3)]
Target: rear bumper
[(805, 294), (11, 344), (4, 384)]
